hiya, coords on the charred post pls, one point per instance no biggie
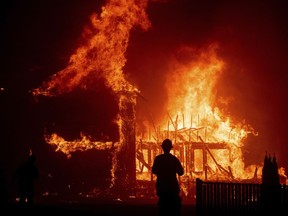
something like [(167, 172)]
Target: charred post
[(125, 160)]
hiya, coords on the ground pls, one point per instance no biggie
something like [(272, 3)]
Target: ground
[(93, 207)]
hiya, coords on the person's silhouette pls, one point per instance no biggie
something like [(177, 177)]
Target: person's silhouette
[(166, 167), (24, 176)]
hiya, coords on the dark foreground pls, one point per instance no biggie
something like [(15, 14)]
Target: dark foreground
[(97, 208)]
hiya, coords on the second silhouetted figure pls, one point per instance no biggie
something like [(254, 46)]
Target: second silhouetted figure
[(25, 176)]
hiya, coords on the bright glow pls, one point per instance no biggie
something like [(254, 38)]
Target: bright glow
[(191, 116)]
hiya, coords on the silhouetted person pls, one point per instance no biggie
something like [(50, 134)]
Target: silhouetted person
[(25, 176), (166, 167)]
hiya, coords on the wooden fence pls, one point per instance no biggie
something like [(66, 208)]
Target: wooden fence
[(223, 198)]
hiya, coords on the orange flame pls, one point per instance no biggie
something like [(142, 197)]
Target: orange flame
[(103, 55), (83, 144), (190, 86)]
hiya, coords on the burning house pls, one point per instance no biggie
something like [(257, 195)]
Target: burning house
[(206, 141)]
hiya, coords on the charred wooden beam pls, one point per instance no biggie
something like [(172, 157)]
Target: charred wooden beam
[(124, 160), (140, 157)]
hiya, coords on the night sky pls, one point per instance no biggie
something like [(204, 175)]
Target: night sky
[(38, 37)]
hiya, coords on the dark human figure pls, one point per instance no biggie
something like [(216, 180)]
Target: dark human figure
[(25, 176), (166, 167)]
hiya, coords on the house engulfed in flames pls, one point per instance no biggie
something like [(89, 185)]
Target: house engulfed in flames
[(207, 143)]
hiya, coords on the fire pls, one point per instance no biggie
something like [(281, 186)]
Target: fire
[(195, 124), (191, 88), (192, 120), (103, 54), (190, 93), (83, 144)]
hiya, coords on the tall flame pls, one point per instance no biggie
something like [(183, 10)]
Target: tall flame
[(103, 55), (191, 96), (190, 85), (191, 93)]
